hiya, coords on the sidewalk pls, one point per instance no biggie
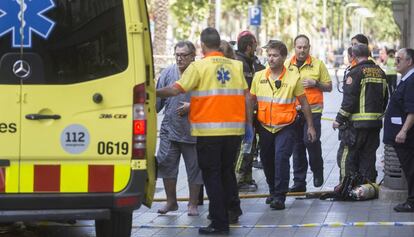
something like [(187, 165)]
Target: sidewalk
[(298, 211)]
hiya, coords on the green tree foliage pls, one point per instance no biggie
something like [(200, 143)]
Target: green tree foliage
[(279, 18), (186, 13), (381, 27)]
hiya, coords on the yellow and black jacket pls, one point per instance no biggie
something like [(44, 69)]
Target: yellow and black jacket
[(365, 96)]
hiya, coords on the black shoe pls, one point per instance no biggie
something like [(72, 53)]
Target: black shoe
[(297, 188), (209, 230), (404, 207), (269, 200), (233, 219), (277, 205), (234, 216), (317, 180)]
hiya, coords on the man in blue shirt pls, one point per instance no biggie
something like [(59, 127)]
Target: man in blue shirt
[(175, 137), (399, 120)]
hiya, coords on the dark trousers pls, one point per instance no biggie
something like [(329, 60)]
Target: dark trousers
[(244, 164), (275, 151), (360, 157), (406, 157), (300, 161), (216, 158)]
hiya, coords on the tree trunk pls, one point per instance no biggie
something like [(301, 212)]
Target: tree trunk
[(161, 8)]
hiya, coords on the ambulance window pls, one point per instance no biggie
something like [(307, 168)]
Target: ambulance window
[(87, 42)]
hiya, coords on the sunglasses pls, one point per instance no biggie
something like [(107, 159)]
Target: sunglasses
[(398, 59), (182, 55)]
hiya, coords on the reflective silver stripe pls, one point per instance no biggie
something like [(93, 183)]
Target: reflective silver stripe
[(218, 92), (366, 116), (344, 113), (276, 100), (276, 126), (316, 106), (217, 125)]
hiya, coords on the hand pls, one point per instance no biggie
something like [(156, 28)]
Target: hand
[(183, 109), (401, 136), (308, 83), (335, 125), (248, 134), (311, 134)]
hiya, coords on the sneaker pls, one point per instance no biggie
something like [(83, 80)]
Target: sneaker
[(404, 207), (248, 187), (277, 205), (269, 200)]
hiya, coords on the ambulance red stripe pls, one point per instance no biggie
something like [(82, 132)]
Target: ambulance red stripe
[(101, 178), (46, 178)]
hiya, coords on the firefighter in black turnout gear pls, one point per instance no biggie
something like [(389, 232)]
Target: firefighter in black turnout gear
[(246, 48), (360, 117)]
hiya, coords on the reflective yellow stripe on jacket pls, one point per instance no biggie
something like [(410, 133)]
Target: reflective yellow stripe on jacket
[(217, 105)]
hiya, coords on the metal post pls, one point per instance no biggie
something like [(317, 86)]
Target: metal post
[(323, 53), (297, 16), (352, 4), (218, 15)]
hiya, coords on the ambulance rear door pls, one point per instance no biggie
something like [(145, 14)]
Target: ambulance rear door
[(76, 113)]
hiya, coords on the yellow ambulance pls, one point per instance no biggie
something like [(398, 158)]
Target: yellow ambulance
[(77, 119)]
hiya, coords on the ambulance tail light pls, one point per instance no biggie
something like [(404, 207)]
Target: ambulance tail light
[(140, 123)]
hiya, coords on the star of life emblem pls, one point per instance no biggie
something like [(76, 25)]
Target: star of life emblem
[(23, 18), (223, 75)]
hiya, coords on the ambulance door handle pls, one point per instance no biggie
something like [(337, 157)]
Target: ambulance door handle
[(4, 163), (42, 116)]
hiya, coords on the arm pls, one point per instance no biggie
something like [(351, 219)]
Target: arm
[(161, 82), (309, 83), (308, 116), (324, 82), (249, 102), (350, 98), (402, 135), (248, 133), (168, 91)]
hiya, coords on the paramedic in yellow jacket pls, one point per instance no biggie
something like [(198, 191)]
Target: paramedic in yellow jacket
[(314, 77), (275, 90), (219, 112)]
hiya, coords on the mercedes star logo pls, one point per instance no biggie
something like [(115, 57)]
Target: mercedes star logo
[(21, 69)]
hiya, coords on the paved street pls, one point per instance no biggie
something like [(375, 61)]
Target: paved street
[(257, 214)]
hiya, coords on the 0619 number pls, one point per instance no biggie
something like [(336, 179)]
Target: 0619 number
[(113, 148)]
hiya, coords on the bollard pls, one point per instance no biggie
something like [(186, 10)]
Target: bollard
[(394, 177), (394, 187)]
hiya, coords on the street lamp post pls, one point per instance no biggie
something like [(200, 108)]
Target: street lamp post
[(218, 15), (363, 13), (352, 4)]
